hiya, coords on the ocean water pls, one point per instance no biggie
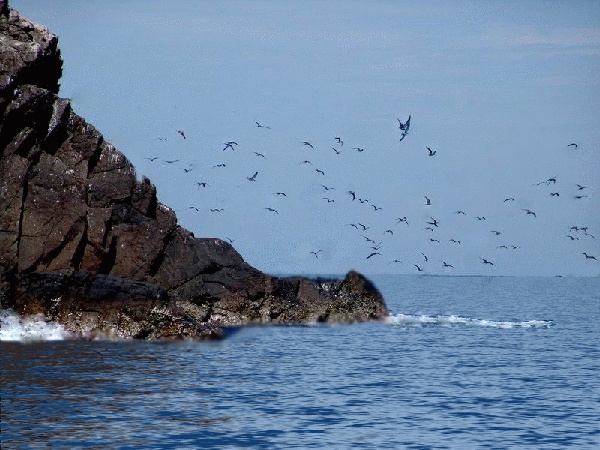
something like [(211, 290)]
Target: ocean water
[(464, 362)]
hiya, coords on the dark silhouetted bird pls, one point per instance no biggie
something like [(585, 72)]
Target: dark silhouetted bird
[(589, 256), (258, 125), (339, 141), (431, 152), (253, 177), (427, 200), (485, 261), (373, 254), (182, 133), (573, 144), (308, 144), (230, 145), (272, 210), (529, 212), (353, 194), (316, 253), (259, 154)]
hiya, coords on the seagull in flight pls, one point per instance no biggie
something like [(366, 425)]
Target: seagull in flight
[(182, 133), (281, 194), (418, 268), (404, 126), (447, 265), (339, 140), (433, 222), (427, 200), (529, 212), (258, 125), (373, 254), (253, 177), (589, 256), (337, 152), (308, 144), (509, 199), (230, 145), (316, 253), (353, 194), (579, 186), (202, 184), (485, 261), (272, 210), (358, 149), (328, 188), (320, 171), (260, 155), (219, 165), (573, 144), (154, 158), (431, 152), (402, 219)]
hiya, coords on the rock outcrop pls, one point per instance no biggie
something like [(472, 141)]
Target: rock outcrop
[(88, 245)]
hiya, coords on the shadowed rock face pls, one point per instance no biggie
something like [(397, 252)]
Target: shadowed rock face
[(84, 243)]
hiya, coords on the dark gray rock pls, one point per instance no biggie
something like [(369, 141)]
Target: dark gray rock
[(85, 243)]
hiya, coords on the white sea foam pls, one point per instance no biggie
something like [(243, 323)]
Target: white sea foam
[(407, 320), (33, 328)]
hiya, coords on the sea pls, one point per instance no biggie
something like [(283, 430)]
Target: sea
[(461, 363)]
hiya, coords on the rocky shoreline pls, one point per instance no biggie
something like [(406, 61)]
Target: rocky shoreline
[(86, 244)]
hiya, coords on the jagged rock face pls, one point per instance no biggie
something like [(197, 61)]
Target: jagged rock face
[(73, 215)]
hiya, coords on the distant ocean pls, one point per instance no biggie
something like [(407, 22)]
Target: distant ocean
[(463, 363)]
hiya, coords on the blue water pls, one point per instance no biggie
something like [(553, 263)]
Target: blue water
[(463, 363)]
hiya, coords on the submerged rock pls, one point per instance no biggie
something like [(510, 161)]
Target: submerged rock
[(87, 245)]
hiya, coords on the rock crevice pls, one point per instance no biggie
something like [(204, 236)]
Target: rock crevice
[(87, 244)]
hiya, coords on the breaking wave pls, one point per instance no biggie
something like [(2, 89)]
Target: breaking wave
[(33, 328), (422, 321)]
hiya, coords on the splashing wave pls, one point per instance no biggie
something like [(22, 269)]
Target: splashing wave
[(422, 321), (33, 328)]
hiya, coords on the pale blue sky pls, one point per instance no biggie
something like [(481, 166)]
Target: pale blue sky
[(498, 89)]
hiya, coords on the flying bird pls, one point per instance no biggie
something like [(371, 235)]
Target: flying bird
[(308, 144), (402, 219), (328, 188), (376, 208), (320, 171), (353, 194), (230, 145), (171, 161), (404, 126), (529, 212), (364, 227), (153, 158), (485, 261), (580, 187), (509, 199), (329, 200), (260, 155), (425, 256), (433, 222), (427, 200), (431, 152), (573, 144), (337, 152), (272, 210), (219, 165), (202, 184), (589, 256), (460, 211), (454, 241), (281, 194), (418, 268), (217, 210), (447, 265), (316, 253), (258, 125), (554, 194), (339, 141), (373, 254), (253, 177), (358, 149), (389, 231), (497, 233), (182, 133)]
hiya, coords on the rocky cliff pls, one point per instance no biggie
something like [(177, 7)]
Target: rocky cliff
[(85, 243)]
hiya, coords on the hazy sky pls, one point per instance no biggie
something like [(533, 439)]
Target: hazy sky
[(497, 89)]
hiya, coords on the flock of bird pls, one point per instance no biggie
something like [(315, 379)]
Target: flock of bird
[(371, 235)]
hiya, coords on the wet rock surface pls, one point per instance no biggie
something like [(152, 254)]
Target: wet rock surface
[(85, 243)]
